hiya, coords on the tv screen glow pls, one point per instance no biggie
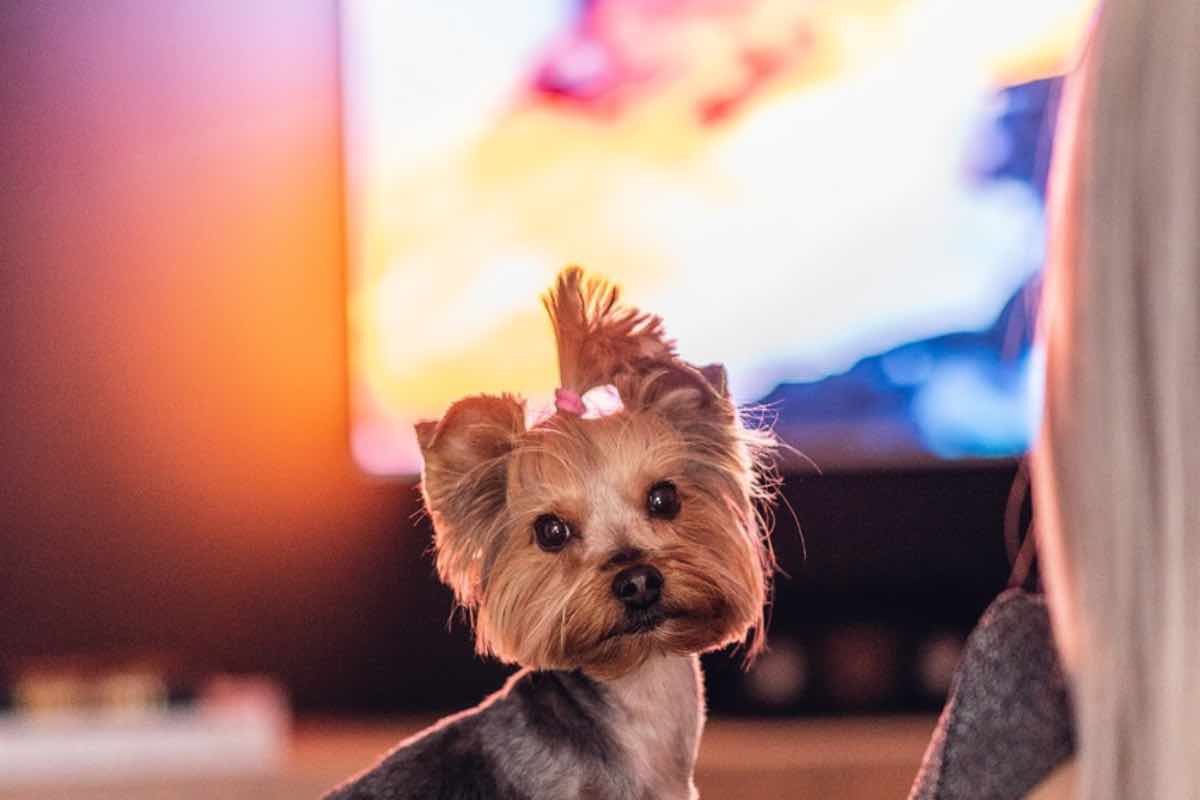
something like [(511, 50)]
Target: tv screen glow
[(843, 202)]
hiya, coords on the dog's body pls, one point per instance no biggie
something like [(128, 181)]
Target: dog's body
[(556, 734), (600, 551)]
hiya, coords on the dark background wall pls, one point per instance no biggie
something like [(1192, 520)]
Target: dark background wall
[(174, 474)]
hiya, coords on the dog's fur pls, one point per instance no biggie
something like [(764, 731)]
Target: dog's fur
[(610, 701)]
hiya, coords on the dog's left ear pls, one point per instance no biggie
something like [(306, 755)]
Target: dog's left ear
[(465, 482), (678, 391), (716, 377)]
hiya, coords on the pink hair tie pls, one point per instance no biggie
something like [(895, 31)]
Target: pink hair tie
[(599, 401), (568, 402)]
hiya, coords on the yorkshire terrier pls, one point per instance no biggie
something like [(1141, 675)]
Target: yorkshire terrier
[(602, 549)]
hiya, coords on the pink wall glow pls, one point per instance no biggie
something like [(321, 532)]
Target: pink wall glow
[(174, 473)]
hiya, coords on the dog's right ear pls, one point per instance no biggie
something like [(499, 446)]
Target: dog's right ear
[(474, 430), (465, 482)]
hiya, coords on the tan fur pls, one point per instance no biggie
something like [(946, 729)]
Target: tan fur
[(662, 747), (487, 479), (595, 335), (464, 484)]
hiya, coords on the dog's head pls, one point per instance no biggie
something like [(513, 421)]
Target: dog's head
[(597, 542)]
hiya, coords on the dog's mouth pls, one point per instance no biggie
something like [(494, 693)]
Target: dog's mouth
[(644, 621)]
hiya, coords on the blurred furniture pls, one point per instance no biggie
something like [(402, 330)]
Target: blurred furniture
[(863, 758)]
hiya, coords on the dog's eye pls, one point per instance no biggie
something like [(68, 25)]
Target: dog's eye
[(663, 500), (552, 532)]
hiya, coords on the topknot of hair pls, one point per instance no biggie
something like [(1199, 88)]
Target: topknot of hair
[(597, 336)]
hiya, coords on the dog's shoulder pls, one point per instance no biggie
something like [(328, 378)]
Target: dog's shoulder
[(541, 730), (445, 762), (566, 709)]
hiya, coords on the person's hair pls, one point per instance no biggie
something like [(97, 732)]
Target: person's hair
[(1119, 449)]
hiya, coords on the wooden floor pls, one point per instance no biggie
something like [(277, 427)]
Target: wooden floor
[(844, 759)]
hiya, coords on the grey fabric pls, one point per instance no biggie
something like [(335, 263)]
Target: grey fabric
[(1007, 723)]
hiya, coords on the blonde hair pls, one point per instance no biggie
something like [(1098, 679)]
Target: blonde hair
[(1117, 464)]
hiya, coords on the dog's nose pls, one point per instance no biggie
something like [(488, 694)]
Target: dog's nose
[(638, 587)]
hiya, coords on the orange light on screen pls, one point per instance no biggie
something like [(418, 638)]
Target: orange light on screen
[(689, 151)]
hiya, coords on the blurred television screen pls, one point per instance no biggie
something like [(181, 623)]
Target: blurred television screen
[(841, 201)]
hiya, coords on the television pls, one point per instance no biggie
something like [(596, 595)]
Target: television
[(841, 201)]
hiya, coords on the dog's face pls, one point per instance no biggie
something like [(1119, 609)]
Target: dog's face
[(596, 543)]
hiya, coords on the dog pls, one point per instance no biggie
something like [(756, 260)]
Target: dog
[(602, 549)]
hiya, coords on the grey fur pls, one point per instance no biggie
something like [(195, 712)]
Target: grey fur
[(544, 735)]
